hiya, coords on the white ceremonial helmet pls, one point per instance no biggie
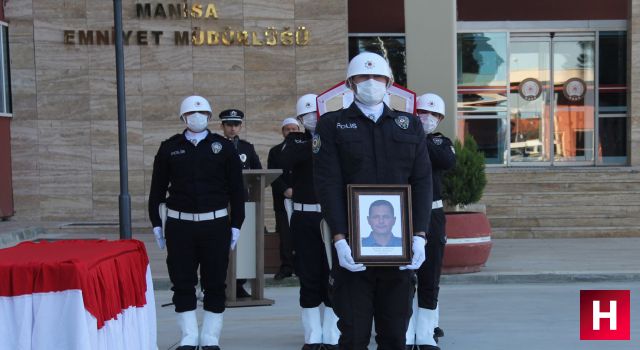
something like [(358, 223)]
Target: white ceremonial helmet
[(306, 104), (369, 63), (431, 103), (195, 104)]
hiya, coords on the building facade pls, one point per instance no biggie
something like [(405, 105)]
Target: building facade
[(254, 55), (546, 89)]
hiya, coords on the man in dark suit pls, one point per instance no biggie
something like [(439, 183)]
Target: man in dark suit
[(281, 189)]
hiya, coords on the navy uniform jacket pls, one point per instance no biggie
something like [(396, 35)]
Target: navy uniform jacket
[(199, 178), (248, 155), (282, 182), (350, 148), (442, 158), (297, 156)]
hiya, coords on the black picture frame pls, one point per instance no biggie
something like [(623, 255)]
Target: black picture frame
[(369, 207)]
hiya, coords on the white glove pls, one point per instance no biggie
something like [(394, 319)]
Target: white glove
[(419, 255), (235, 234), (345, 258), (157, 231)]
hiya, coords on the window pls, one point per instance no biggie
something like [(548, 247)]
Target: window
[(612, 93), (5, 81), (482, 92), (544, 98), (390, 47)]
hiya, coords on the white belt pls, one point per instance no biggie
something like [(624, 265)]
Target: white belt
[(436, 204), (198, 216), (306, 207)]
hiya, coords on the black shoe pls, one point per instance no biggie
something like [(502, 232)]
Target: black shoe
[(210, 347), (426, 347), (408, 347), (330, 347), (282, 274), (242, 293), (312, 347), (187, 347), (437, 333)]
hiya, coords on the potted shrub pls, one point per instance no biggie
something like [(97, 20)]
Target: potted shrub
[(468, 232)]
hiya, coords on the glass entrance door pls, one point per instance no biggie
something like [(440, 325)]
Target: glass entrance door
[(551, 99)]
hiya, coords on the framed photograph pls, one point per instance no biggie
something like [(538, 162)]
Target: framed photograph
[(380, 224)]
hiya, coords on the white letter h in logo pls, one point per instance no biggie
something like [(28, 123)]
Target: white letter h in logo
[(611, 315)]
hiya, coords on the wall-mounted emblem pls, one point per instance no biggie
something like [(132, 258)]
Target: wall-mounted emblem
[(574, 89), (530, 89)]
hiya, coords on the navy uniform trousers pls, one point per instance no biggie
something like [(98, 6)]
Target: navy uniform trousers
[(310, 259), (203, 244)]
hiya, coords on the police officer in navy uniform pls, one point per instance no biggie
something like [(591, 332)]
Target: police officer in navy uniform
[(369, 143), (281, 189), (231, 125), (310, 260), (203, 175), (423, 329)]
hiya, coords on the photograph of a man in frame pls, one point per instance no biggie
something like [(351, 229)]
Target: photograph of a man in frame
[(381, 218)]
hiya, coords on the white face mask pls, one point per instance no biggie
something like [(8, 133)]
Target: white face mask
[(197, 122), (309, 121), (429, 122), (371, 92)]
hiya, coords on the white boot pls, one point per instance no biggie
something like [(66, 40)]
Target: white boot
[(312, 325), (330, 332), (438, 332), (189, 326), (211, 327), (411, 330), (425, 323)]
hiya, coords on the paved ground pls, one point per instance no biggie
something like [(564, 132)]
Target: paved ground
[(474, 316), (511, 260), (525, 298)]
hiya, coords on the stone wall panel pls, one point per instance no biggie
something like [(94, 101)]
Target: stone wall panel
[(326, 9), (65, 128), (63, 107)]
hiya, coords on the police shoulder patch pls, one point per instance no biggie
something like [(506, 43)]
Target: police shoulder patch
[(437, 141), (316, 144), (216, 147), (402, 121)]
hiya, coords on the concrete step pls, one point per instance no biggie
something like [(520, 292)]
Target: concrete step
[(13, 236), (542, 222), (563, 175), (97, 227), (547, 187), (565, 232), (629, 198), (564, 211)]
